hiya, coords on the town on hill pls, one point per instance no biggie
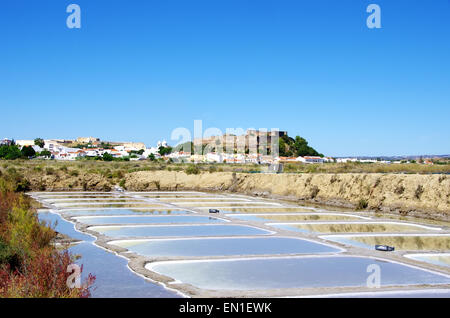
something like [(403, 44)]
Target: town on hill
[(254, 147), (219, 149)]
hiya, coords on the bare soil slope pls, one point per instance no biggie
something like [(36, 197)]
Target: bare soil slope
[(424, 195)]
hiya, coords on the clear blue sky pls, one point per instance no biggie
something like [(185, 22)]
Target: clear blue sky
[(138, 69)]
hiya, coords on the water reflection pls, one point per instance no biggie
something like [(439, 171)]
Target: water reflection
[(95, 220), (401, 242), (294, 272), (225, 246), (295, 217), (113, 277), (442, 259), (355, 227), (178, 230)]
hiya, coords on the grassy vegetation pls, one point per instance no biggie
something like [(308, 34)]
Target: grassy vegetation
[(115, 172), (355, 167), (30, 266)]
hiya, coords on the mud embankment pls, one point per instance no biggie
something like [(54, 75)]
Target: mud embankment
[(404, 194)]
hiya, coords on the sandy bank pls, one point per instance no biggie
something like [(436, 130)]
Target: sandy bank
[(406, 194)]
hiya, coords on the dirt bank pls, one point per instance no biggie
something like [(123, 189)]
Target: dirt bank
[(406, 194)]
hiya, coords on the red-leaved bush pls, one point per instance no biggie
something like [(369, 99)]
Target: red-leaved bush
[(30, 266), (44, 275)]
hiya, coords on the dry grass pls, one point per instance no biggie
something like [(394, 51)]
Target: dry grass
[(117, 170), (355, 167)]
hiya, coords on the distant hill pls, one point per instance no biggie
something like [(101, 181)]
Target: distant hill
[(290, 147)]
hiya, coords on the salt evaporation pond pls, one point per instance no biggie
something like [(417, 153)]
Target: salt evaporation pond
[(292, 217), (409, 242), (148, 205), (107, 212), (263, 209), (137, 219), (178, 230), (441, 259), (418, 293), (366, 227), (113, 277), (225, 246), (292, 272)]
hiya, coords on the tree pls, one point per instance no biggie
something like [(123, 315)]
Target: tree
[(45, 153), (151, 157), (185, 147), (298, 147), (165, 150), (107, 157), (39, 142), (10, 152), (28, 151)]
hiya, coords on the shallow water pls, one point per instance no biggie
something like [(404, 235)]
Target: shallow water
[(113, 277), (442, 259), (116, 205), (69, 202), (178, 230), (63, 226), (243, 204), (265, 209), (124, 212), (295, 217), (329, 271), (173, 194), (354, 227), (424, 293), (295, 272), (403, 242), (64, 197), (202, 200), (225, 246), (148, 219)]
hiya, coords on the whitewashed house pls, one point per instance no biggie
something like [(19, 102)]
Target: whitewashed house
[(214, 157)]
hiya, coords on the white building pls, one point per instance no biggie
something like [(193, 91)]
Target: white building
[(6, 141), (70, 154), (310, 159), (161, 144), (23, 143), (344, 160), (214, 157)]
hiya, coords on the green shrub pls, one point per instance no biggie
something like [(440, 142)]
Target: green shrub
[(314, 192), (362, 204), (399, 189), (74, 173), (418, 192), (212, 169), (192, 169)]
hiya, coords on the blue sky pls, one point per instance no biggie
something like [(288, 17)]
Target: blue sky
[(138, 69)]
